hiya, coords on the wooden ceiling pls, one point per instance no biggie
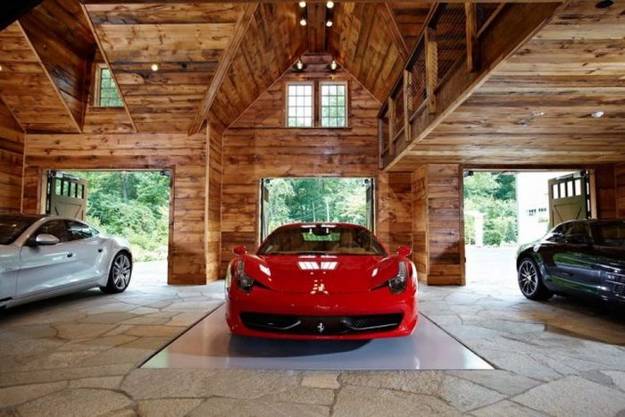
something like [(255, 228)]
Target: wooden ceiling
[(185, 40), (536, 107)]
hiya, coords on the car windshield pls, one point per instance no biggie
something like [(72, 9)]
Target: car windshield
[(609, 234), (323, 240), (11, 227)]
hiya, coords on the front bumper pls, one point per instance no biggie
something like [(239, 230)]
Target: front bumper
[(354, 316)]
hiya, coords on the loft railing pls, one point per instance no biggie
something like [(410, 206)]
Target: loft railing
[(448, 40)]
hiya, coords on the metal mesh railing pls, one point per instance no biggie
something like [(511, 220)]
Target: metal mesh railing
[(451, 38)]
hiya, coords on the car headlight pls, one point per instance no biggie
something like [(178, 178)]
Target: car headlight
[(397, 284), (244, 281)]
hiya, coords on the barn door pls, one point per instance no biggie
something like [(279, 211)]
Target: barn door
[(66, 195), (264, 208), (569, 198)]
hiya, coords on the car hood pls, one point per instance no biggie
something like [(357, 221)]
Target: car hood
[(311, 274)]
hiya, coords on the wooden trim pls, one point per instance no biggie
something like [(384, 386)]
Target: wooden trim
[(75, 122), (291, 1), (108, 63), (490, 19), (431, 68), (225, 62)]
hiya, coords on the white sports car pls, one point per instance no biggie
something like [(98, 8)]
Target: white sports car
[(44, 256)]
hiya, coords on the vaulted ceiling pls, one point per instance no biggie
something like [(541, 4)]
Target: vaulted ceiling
[(47, 57)]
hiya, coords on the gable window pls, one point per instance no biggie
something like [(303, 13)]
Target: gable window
[(106, 91), (333, 104), (299, 109)]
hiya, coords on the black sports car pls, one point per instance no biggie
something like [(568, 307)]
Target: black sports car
[(580, 257)]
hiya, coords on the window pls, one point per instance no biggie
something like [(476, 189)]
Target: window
[(299, 105), (333, 104), (56, 228), (106, 89)]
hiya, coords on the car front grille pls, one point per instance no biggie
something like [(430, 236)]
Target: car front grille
[(321, 325)]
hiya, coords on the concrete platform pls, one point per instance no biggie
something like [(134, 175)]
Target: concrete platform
[(209, 344)]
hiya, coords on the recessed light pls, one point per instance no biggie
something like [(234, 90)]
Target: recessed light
[(330, 4), (302, 4), (597, 114), (604, 4), (538, 113), (329, 23), (154, 67), (303, 22)]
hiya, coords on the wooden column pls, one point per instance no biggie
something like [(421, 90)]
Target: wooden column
[(438, 225), (431, 68), (407, 79), (391, 126), (471, 29)]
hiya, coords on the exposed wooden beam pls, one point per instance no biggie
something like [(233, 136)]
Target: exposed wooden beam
[(76, 119), (395, 32), (225, 63), (316, 28), (108, 64)]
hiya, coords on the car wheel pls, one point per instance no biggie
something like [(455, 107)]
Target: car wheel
[(119, 275), (531, 281)]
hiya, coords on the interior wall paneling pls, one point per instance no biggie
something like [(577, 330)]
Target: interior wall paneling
[(184, 155), (11, 162), (214, 178)]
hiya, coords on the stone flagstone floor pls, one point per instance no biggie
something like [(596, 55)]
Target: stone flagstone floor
[(78, 356)]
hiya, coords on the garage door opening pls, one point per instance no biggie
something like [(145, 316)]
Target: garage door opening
[(503, 210), (319, 199), (134, 205)]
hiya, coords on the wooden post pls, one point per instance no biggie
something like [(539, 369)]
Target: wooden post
[(407, 103), (471, 29), (431, 68), (391, 126)]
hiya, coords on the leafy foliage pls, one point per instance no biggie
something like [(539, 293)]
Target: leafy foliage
[(317, 199), (133, 205), (493, 195)]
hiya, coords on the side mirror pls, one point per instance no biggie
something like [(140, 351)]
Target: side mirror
[(46, 239), (239, 250), (404, 251)]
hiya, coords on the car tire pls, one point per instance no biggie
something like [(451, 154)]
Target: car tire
[(531, 281), (119, 275)]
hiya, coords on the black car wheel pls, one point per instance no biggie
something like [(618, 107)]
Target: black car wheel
[(119, 275), (531, 281)]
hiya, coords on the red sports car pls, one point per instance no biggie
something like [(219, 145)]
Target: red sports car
[(321, 281)]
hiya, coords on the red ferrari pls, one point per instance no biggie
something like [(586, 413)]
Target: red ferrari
[(321, 281)]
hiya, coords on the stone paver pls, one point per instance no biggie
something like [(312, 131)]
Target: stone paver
[(78, 356)]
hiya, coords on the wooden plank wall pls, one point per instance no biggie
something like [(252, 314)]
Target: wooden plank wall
[(605, 191), (185, 156), (214, 177), (258, 146), (438, 225), (11, 158)]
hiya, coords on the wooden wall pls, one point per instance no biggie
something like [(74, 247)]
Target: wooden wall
[(11, 158), (438, 225), (258, 146), (619, 184), (185, 156), (214, 177)]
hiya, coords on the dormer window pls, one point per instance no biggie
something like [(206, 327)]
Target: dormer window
[(299, 104), (333, 104), (106, 92)]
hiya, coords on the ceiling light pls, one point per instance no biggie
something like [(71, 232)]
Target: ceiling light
[(330, 4), (333, 65), (1, 68), (299, 65), (598, 114), (329, 23), (302, 4), (302, 21), (604, 4), (538, 114), (154, 67)]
